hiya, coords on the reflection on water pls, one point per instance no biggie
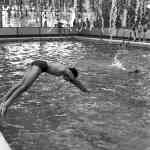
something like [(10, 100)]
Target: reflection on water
[(55, 115)]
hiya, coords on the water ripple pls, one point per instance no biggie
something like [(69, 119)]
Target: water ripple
[(57, 115)]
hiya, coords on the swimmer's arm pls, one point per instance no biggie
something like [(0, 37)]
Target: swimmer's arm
[(79, 85)]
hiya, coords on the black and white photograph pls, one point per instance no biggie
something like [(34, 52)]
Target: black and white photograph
[(74, 74)]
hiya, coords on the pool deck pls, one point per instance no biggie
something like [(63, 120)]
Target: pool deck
[(117, 41), (3, 143)]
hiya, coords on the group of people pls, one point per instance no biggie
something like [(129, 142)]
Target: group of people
[(140, 27), (81, 25), (139, 32)]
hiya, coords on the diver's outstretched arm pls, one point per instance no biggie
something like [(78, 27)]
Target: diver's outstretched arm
[(79, 85)]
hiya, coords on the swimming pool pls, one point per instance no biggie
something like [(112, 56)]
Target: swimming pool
[(57, 116)]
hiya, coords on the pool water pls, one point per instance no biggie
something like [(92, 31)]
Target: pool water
[(54, 115)]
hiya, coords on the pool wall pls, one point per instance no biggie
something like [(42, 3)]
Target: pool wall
[(39, 32), (53, 34)]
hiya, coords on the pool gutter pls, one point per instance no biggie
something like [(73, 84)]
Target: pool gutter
[(114, 41)]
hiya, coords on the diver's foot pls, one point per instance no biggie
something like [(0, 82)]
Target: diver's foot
[(3, 109)]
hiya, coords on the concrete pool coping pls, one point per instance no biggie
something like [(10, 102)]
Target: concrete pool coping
[(117, 41), (69, 37), (3, 143)]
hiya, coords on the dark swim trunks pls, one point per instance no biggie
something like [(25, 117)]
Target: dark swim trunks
[(41, 64)]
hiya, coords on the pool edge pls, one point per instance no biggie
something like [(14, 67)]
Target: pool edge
[(69, 37)]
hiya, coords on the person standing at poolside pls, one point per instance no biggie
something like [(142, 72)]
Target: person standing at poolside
[(36, 68)]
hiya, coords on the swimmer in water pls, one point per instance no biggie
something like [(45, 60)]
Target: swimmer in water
[(136, 71), (36, 68)]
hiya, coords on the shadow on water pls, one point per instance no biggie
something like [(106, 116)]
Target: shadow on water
[(55, 115)]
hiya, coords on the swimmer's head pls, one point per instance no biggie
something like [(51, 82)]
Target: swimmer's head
[(136, 71), (74, 72)]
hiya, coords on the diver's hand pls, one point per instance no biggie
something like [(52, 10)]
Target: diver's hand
[(3, 109), (87, 91)]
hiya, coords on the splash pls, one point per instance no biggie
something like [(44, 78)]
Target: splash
[(98, 6), (53, 5), (101, 14), (124, 16), (139, 10), (113, 17), (89, 13), (94, 12), (127, 5), (116, 62), (73, 13)]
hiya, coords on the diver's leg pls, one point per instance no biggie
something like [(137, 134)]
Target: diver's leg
[(29, 77), (15, 87), (12, 90), (28, 80)]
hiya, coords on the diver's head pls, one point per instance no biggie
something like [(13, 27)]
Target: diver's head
[(71, 74), (74, 72)]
